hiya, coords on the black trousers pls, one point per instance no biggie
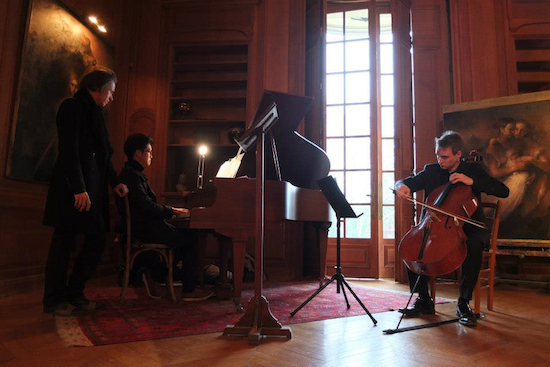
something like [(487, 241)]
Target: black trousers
[(185, 246), (476, 242), (56, 288)]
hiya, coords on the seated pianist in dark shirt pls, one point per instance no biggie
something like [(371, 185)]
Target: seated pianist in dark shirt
[(149, 223)]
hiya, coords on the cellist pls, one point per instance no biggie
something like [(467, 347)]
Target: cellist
[(450, 167)]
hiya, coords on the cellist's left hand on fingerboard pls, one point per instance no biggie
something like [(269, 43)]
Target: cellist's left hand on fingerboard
[(461, 177)]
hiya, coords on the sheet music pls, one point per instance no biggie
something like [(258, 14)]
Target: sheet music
[(230, 167)]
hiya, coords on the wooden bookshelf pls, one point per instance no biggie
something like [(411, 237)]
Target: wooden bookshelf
[(207, 101)]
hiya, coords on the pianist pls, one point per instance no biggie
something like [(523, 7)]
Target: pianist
[(149, 221)]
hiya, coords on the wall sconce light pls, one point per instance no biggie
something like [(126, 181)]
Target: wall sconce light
[(202, 150), (100, 27)]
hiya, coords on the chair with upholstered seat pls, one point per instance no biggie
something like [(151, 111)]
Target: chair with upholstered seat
[(133, 248)]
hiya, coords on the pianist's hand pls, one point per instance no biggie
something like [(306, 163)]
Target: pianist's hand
[(180, 212)]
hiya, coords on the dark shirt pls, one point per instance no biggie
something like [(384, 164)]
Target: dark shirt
[(433, 176), (143, 201)]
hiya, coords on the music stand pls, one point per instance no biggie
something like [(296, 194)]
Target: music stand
[(342, 209)]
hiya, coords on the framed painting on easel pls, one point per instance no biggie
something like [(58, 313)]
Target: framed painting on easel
[(512, 134)]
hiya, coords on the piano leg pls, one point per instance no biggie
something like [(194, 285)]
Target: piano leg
[(201, 255), (236, 240), (322, 239), (239, 249), (224, 289)]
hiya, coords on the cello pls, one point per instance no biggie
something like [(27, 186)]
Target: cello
[(437, 245)]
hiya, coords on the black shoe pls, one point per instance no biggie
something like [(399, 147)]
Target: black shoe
[(465, 314), (67, 309), (83, 304), (422, 306), (63, 309)]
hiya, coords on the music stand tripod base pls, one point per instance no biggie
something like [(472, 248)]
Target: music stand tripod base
[(343, 209)]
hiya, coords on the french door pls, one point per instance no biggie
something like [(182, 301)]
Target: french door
[(359, 133)]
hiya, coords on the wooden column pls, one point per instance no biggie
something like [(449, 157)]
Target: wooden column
[(403, 119)]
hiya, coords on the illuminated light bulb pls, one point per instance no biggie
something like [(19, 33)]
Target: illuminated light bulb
[(203, 150)]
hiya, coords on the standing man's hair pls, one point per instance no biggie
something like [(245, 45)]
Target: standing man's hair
[(98, 79), (449, 139), (136, 142)]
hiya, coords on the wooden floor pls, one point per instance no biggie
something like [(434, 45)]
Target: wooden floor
[(515, 334)]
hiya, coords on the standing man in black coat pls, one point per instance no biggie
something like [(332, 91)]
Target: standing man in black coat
[(450, 168), (78, 201)]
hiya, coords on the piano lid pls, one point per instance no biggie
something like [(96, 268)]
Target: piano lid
[(291, 110), (301, 162)]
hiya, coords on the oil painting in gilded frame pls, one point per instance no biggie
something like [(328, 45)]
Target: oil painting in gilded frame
[(57, 50), (512, 134)]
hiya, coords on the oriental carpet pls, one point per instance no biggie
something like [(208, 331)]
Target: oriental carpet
[(140, 318)]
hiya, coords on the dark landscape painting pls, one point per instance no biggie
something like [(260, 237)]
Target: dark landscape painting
[(58, 49)]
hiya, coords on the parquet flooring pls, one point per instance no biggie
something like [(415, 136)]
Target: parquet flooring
[(515, 334)]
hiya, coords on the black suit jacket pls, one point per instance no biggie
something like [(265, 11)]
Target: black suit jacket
[(144, 208), (83, 164), (433, 176)]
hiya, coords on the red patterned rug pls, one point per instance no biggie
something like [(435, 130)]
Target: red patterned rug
[(141, 318)]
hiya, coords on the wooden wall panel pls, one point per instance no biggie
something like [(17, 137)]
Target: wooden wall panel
[(524, 20), (428, 98), (296, 47), (276, 45), (404, 150), (528, 14), (3, 23), (431, 74), (474, 48), (144, 107), (428, 20), (314, 73)]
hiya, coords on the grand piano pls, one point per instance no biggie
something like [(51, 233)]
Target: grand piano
[(293, 165)]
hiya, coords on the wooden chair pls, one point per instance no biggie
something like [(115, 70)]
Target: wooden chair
[(486, 278), (133, 248)]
